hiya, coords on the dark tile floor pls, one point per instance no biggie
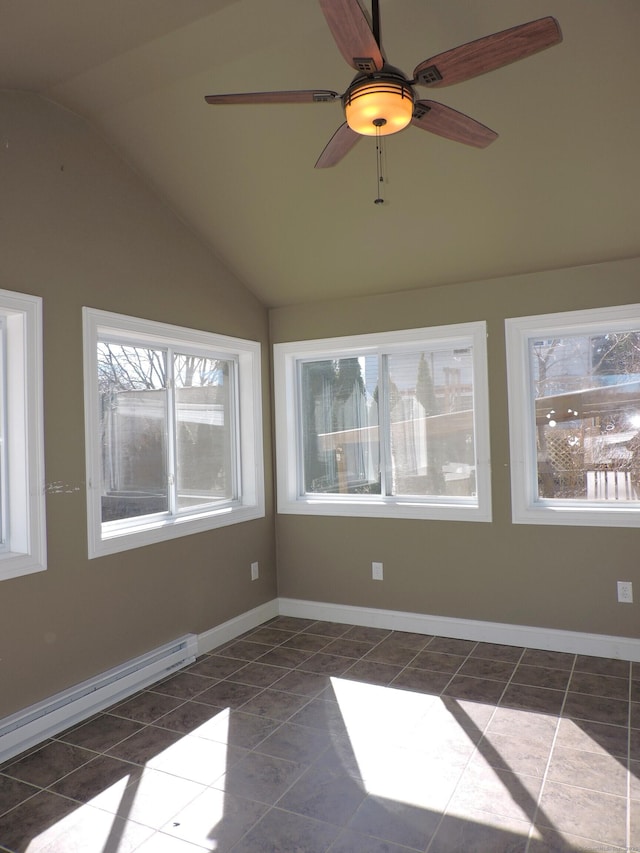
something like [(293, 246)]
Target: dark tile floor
[(305, 737)]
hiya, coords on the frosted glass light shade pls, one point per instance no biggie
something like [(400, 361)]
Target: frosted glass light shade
[(379, 105)]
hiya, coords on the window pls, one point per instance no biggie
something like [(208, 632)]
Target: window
[(391, 424), (173, 431), (574, 408), (22, 504)]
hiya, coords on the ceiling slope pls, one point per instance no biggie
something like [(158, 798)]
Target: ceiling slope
[(559, 187)]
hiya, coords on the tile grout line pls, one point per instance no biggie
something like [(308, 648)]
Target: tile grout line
[(254, 749), (628, 826), (317, 758), (36, 791), (280, 724), (424, 649), (476, 747), (473, 751), (551, 750), (375, 646), (308, 699)]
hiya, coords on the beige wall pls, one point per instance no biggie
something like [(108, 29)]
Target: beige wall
[(560, 577), (77, 227)]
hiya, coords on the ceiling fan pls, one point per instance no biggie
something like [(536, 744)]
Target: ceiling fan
[(380, 100)]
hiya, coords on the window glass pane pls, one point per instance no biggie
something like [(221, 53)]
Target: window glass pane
[(587, 412), (430, 396), (204, 430), (23, 549), (173, 431), (133, 430), (339, 415), (389, 424)]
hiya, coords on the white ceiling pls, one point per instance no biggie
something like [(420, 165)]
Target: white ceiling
[(560, 187)]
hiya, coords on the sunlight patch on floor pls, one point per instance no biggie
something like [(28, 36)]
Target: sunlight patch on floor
[(90, 830), (408, 747), (414, 748), (129, 811)]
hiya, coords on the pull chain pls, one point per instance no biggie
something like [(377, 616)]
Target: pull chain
[(379, 160)]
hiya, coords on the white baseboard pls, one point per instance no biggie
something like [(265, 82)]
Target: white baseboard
[(550, 639), (215, 637), (48, 718)]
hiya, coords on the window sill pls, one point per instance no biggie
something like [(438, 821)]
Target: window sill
[(402, 508), (116, 539), (14, 565), (627, 515)]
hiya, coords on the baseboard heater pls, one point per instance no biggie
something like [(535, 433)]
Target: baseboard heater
[(57, 713)]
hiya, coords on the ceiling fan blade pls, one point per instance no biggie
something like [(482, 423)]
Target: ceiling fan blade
[(447, 122), (338, 146), (353, 35), (301, 96), (488, 53)]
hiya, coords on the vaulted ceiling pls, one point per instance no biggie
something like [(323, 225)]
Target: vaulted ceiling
[(560, 186)]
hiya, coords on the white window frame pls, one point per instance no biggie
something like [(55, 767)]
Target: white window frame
[(24, 547), (288, 439), (527, 508), (110, 537)]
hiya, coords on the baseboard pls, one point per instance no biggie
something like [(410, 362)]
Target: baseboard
[(237, 626), (48, 718), (550, 639)]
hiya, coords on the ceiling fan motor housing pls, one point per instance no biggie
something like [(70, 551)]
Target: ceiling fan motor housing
[(380, 103)]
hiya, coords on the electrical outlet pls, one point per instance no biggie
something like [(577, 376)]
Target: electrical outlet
[(376, 571), (625, 592), (255, 571)]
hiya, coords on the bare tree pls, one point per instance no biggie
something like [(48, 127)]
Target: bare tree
[(130, 368)]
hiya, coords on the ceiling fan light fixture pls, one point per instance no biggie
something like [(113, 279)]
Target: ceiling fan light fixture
[(378, 105)]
